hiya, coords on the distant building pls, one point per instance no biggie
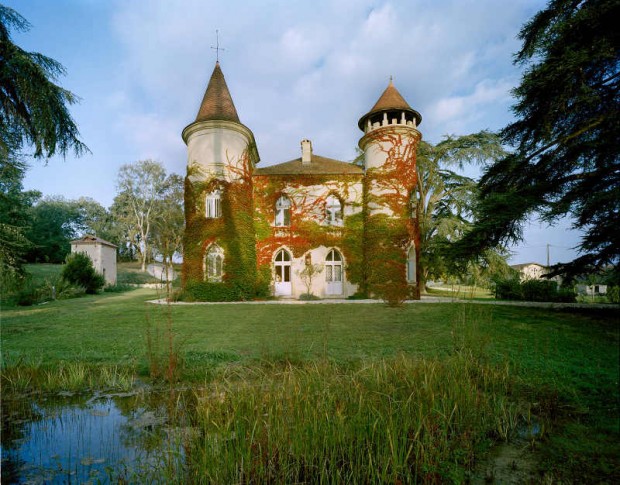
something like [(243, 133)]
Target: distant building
[(102, 253), (534, 271), (530, 271), (591, 290), (249, 227)]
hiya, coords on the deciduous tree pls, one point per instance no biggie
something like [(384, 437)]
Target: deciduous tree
[(142, 187), (170, 221)]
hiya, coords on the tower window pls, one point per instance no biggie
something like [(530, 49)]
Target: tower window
[(283, 211), (213, 205), (411, 265), (213, 264), (414, 197), (333, 211)]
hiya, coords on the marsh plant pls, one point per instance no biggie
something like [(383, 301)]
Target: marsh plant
[(401, 420), (21, 376), (162, 350)]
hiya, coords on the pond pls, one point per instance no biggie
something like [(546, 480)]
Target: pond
[(120, 438)]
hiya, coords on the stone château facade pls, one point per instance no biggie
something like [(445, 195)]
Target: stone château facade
[(313, 224)]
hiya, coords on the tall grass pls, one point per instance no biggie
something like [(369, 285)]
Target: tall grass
[(400, 420), (66, 376)]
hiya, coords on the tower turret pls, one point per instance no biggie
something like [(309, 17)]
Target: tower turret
[(391, 114), (217, 142), (389, 143), (219, 242)]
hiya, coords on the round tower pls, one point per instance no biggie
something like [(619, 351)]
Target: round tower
[(219, 243), (389, 143), (390, 119)]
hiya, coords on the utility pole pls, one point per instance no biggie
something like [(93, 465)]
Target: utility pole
[(548, 254)]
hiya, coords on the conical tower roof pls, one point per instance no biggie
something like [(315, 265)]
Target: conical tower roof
[(391, 99), (217, 103)]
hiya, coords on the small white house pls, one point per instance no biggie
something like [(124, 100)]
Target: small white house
[(530, 271), (102, 253)]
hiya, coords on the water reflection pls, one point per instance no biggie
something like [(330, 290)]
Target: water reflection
[(114, 437)]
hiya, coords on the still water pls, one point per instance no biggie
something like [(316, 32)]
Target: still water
[(127, 438)]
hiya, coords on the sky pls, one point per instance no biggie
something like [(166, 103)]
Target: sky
[(295, 69)]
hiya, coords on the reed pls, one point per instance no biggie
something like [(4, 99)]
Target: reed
[(400, 420), (24, 376)]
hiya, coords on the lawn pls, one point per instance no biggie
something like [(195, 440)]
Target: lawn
[(127, 273), (562, 365)]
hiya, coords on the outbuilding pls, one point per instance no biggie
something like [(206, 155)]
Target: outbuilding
[(102, 253)]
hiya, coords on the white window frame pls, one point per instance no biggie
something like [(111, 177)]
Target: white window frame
[(333, 210), (412, 277), (283, 212), (213, 264), (213, 205)]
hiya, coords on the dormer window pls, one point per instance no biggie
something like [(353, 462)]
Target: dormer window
[(333, 211), (213, 205), (283, 211)]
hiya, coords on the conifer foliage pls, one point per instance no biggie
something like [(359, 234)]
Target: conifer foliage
[(565, 137)]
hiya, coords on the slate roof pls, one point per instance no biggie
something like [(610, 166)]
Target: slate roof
[(318, 166), (217, 103), (88, 239)]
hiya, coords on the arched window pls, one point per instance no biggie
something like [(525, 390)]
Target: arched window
[(333, 210), (333, 273), (213, 264), (282, 266), (213, 205), (411, 265), (283, 211)]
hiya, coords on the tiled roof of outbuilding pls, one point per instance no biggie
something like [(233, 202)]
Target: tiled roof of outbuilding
[(217, 103), (88, 239), (318, 166)]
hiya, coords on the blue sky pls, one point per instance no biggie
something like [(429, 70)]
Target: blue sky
[(295, 69)]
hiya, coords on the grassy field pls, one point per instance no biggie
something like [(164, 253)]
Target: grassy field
[(127, 273), (513, 362)]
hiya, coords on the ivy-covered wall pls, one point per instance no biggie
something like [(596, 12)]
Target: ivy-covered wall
[(307, 229), (390, 226), (233, 232), (377, 229)]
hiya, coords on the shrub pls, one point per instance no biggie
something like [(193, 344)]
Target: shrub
[(532, 290), (393, 293), (613, 294), (28, 294), (508, 289), (79, 270), (308, 297)]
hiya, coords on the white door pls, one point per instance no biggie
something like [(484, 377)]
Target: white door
[(282, 265), (333, 273)]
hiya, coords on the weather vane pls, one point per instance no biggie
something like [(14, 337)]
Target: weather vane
[(217, 47)]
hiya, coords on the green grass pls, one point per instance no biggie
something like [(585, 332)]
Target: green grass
[(127, 273), (561, 366)]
